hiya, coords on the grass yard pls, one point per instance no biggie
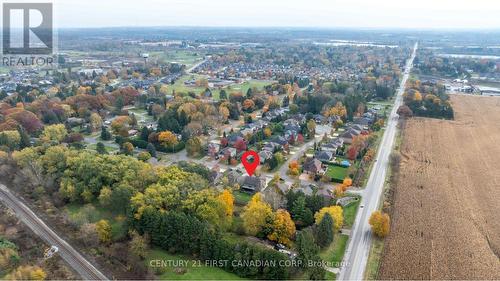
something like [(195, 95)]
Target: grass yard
[(336, 172), (373, 263), (350, 212), (92, 213), (180, 56), (194, 270), (241, 197), (109, 149), (335, 253)]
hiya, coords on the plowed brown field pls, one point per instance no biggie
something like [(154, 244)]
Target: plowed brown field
[(446, 212)]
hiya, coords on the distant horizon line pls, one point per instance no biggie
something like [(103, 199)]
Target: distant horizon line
[(454, 29)]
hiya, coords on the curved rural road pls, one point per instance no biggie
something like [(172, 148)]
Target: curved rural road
[(83, 267), (356, 256)]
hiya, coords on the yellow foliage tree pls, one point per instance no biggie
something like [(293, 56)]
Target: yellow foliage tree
[(267, 132), (55, 133), (335, 211), (227, 198), (417, 96), (283, 228), (380, 223), (256, 214), (338, 110), (27, 272), (167, 138), (103, 231), (347, 182)]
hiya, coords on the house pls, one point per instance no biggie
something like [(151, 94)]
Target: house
[(350, 133), (233, 138), (313, 166), (252, 184), (319, 119), (213, 149), (228, 152), (333, 145), (74, 121), (324, 156), (307, 189), (280, 140), (272, 147), (265, 155)]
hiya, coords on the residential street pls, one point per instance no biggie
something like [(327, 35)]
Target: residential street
[(356, 256), (74, 259)]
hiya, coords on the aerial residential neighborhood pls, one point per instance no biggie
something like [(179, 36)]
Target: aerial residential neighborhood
[(296, 145)]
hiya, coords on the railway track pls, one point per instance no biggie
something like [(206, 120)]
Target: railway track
[(74, 259)]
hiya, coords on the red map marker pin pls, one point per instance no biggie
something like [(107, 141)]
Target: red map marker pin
[(250, 167)]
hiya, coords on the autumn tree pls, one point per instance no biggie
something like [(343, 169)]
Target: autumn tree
[(120, 125), (283, 228), (227, 197), (404, 111), (338, 110), (380, 223), (293, 168), (193, 146), (103, 230), (27, 272), (127, 148), (335, 212), (54, 133), (168, 139), (267, 132), (139, 244), (256, 215)]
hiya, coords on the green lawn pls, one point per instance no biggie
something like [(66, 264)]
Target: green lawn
[(180, 56), (108, 148), (350, 212), (373, 263), (94, 212), (241, 197), (336, 172), (164, 265), (180, 87), (335, 253)]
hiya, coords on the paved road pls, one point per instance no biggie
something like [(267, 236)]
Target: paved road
[(356, 256), (86, 270)]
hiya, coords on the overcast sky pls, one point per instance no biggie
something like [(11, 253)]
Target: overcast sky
[(290, 13)]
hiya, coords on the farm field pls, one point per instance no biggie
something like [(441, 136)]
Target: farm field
[(445, 221)]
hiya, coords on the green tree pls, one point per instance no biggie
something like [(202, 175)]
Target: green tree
[(324, 231), (151, 149), (105, 134), (308, 253), (100, 148)]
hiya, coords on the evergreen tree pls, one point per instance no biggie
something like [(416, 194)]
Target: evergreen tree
[(100, 148), (151, 149), (308, 252), (25, 138), (144, 133), (302, 215), (105, 134), (223, 95), (324, 231)]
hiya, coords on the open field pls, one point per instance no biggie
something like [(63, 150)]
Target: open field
[(178, 267), (445, 222), (335, 252)]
